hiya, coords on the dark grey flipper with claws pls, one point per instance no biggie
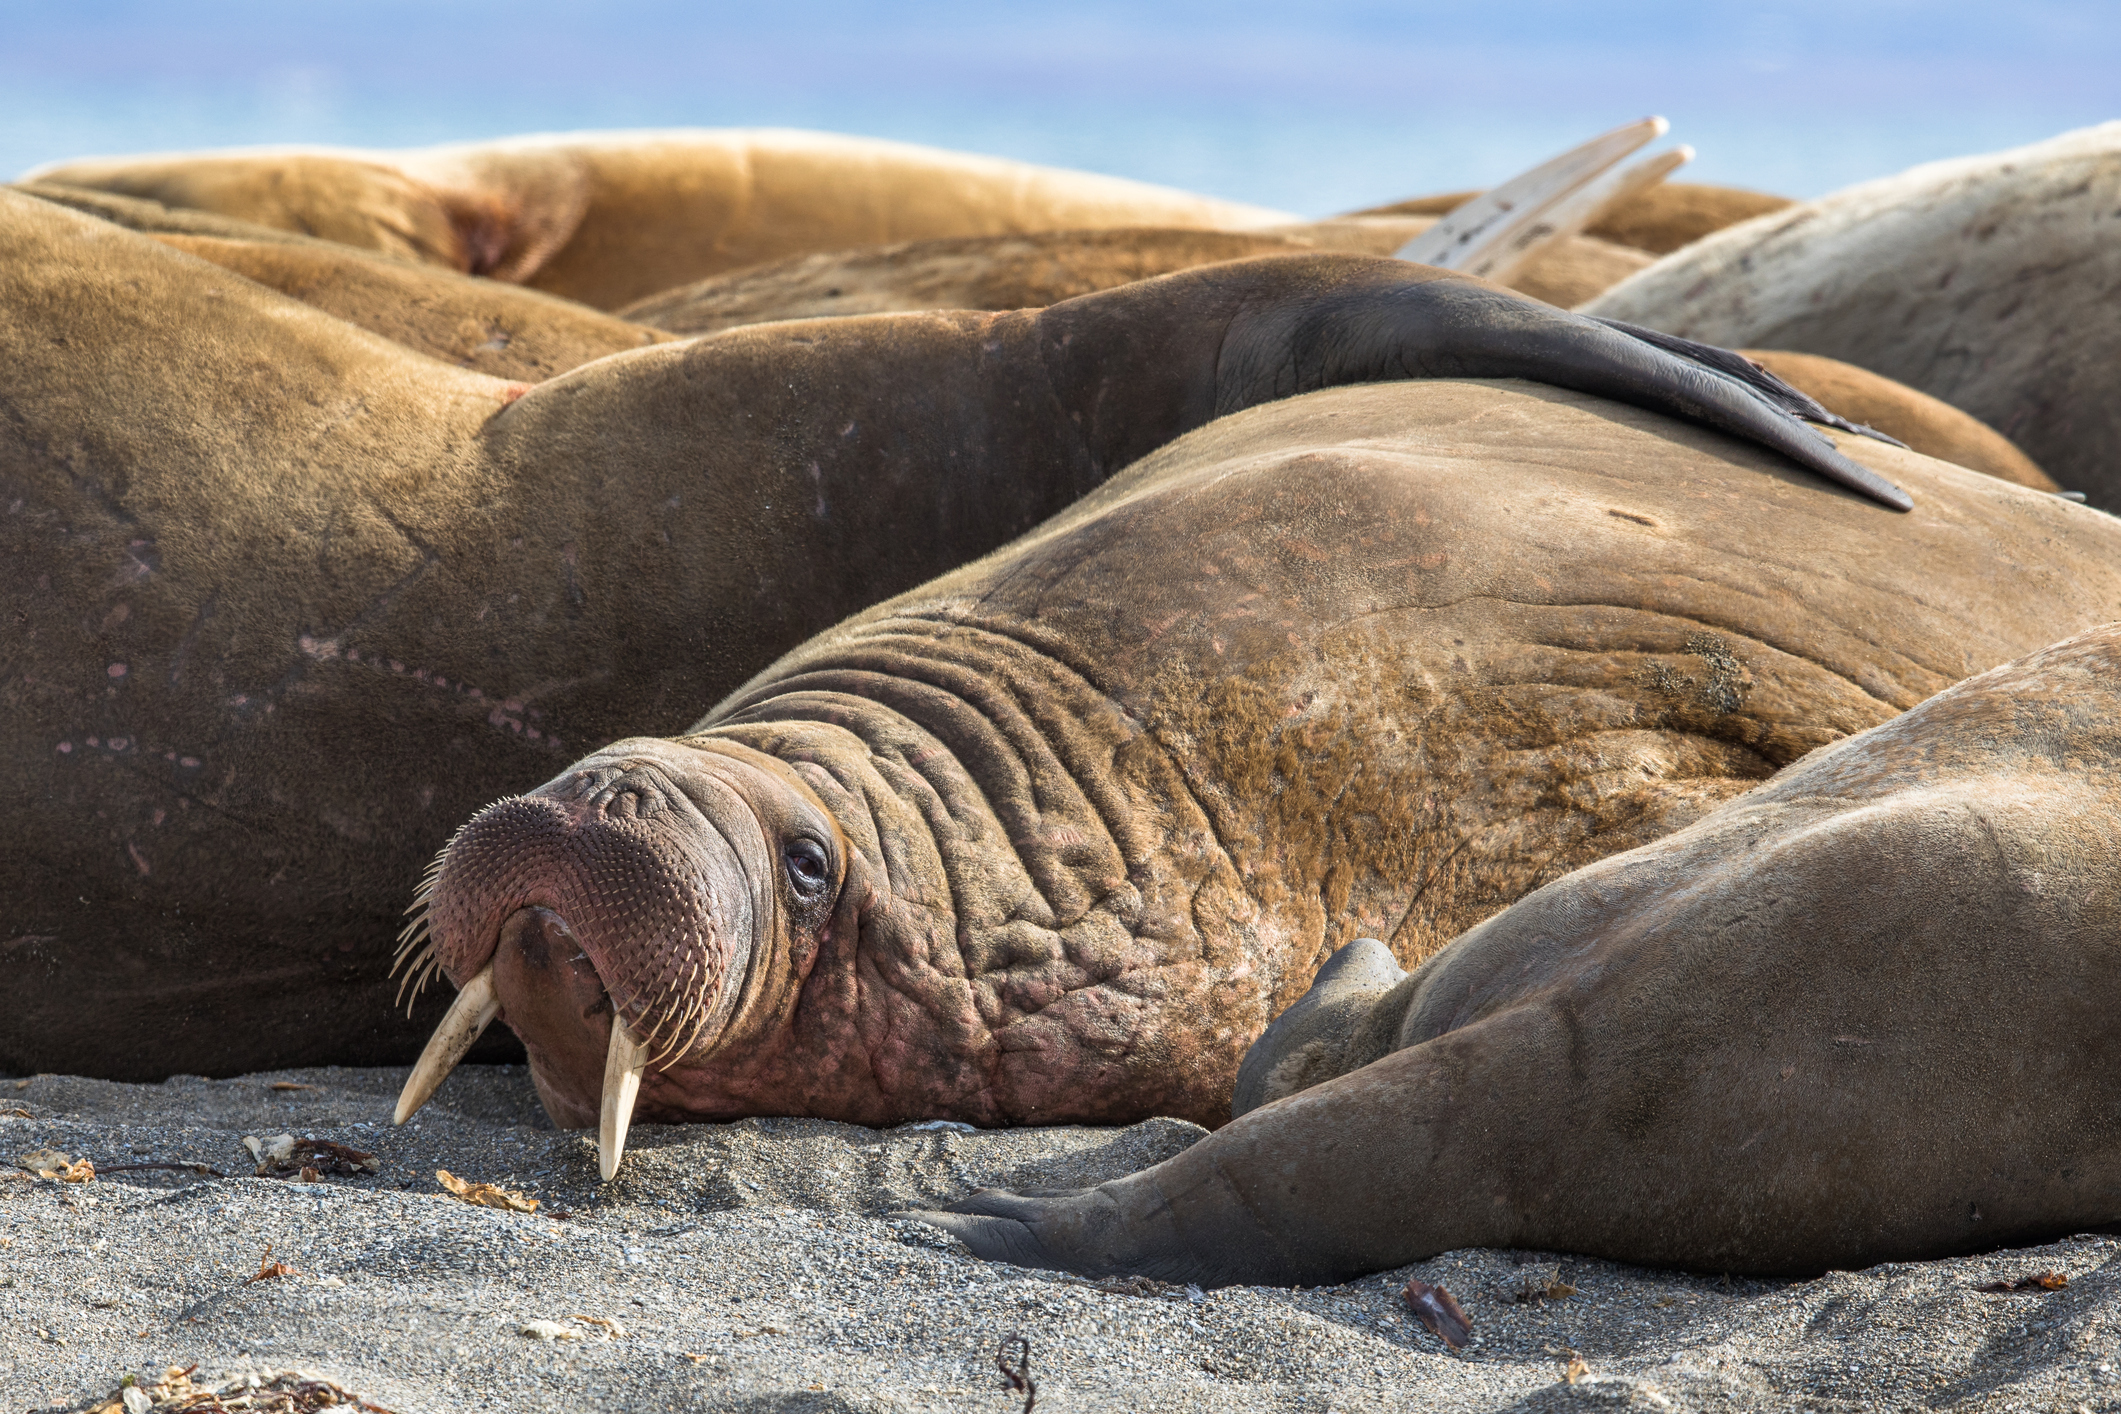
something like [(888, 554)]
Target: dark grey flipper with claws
[(1452, 327)]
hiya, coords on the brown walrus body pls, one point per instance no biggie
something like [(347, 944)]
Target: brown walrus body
[(1043, 268), (1052, 838), (289, 601), (489, 326), (607, 218), (1046, 267), (1862, 1014)]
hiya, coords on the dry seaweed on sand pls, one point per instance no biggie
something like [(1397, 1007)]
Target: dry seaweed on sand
[(2038, 1282), (1438, 1311), (1016, 1375), (485, 1195), (289, 1392), (51, 1163)]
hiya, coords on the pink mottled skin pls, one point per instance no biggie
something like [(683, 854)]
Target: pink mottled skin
[(656, 875)]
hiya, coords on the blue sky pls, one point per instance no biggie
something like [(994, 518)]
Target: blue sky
[(1312, 106)]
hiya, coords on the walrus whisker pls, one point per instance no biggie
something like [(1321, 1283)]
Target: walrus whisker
[(469, 1015), (623, 1064), (417, 979), (690, 1020), (407, 981)]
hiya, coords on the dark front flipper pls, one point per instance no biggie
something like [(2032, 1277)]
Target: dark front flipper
[(997, 1236), (1326, 1031), (1286, 325), (1791, 399)]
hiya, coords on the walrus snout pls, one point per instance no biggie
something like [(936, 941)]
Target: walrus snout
[(607, 917)]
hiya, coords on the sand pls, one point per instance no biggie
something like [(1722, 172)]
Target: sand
[(751, 1266)]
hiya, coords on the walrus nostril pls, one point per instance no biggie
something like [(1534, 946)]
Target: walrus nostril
[(634, 795)]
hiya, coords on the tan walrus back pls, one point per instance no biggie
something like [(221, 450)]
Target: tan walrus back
[(611, 217)]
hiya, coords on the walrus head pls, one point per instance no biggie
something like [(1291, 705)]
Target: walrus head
[(630, 917)]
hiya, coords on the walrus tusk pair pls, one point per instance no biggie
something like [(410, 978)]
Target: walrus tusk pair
[(469, 1016), (1496, 234)]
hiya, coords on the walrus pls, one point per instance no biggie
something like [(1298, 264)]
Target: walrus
[(1862, 1013), (1975, 281), (290, 601), (1051, 839), (1045, 267), (608, 218), (495, 328)]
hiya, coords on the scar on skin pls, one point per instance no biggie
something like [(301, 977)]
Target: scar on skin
[(500, 718)]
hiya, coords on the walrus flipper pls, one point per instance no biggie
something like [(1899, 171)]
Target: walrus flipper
[(1388, 323), (1702, 391), (1791, 399)]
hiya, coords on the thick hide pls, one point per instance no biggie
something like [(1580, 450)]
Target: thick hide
[(1046, 267), (607, 218)]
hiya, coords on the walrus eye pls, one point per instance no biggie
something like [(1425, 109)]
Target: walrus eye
[(808, 866)]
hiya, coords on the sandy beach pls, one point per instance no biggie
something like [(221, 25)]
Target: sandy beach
[(752, 1266)]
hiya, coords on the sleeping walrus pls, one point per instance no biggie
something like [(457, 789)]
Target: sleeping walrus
[(290, 601), (606, 218), (1052, 838), (1864, 1013)]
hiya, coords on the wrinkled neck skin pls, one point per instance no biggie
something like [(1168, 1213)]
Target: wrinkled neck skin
[(1036, 917)]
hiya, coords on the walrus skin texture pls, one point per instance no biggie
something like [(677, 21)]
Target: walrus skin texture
[(491, 327), (607, 218), (1862, 1014), (288, 601), (1052, 838), (509, 332), (1986, 281)]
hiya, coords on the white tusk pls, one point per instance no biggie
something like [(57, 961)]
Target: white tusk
[(623, 1065), (1468, 238), (475, 1007), (1585, 206)]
